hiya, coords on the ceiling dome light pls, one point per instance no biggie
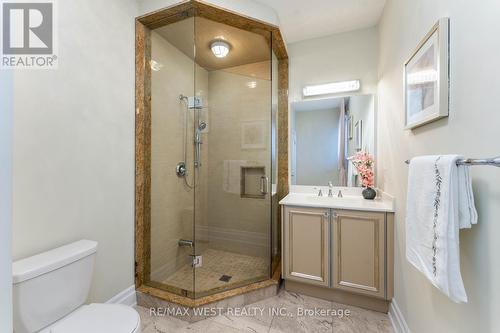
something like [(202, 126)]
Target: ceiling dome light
[(219, 48)]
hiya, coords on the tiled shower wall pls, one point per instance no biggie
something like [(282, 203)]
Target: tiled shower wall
[(237, 224)]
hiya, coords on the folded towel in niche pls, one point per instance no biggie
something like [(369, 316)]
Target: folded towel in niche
[(439, 203)]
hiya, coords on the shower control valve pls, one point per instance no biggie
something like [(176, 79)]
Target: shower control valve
[(181, 169)]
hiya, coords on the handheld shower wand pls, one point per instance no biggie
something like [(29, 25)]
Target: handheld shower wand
[(197, 141)]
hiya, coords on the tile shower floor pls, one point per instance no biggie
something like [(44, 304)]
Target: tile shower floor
[(288, 321), (217, 267)]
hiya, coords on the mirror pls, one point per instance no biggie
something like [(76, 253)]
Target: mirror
[(325, 133)]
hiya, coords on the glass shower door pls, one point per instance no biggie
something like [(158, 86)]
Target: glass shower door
[(233, 169), (211, 165)]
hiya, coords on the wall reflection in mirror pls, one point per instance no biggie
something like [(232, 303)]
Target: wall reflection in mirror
[(325, 134)]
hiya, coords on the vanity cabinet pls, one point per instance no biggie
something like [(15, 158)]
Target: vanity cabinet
[(307, 245), (345, 252), (358, 248)]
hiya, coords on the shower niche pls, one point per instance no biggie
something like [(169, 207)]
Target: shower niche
[(211, 121), (254, 182)]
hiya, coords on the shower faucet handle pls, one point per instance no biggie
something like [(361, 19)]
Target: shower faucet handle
[(181, 169)]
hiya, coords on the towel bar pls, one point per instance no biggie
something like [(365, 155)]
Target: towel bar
[(495, 161)]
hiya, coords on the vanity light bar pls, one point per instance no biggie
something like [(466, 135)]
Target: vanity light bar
[(331, 88)]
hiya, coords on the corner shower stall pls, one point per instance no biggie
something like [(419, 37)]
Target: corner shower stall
[(206, 190)]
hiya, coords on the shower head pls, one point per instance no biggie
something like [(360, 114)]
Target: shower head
[(182, 97)]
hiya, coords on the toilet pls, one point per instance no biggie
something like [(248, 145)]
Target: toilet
[(50, 290)]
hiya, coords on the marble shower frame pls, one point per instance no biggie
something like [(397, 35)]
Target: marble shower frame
[(143, 26)]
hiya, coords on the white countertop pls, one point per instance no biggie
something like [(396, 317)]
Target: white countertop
[(307, 196)]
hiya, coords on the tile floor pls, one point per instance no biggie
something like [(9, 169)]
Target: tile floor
[(217, 263), (359, 320)]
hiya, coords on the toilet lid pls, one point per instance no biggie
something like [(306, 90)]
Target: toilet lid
[(100, 318)]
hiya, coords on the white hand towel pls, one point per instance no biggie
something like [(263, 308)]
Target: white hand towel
[(439, 203), (466, 209)]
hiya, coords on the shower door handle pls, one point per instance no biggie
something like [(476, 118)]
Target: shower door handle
[(264, 184)]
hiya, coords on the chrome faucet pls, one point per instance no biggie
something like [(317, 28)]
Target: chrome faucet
[(340, 194), (330, 189), (320, 193)]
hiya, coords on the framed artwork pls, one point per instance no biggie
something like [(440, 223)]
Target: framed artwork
[(426, 78), (358, 135), (349, 128), (253, 134)]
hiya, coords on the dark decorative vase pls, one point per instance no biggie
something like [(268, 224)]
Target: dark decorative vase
[(369, 193)]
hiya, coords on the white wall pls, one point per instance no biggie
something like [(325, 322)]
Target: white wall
[(317, 134), (5, 200), (471, 130), (346, 56), (247, 7), (73, 143)]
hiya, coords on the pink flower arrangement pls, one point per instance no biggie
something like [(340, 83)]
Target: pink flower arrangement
[(363, 162)]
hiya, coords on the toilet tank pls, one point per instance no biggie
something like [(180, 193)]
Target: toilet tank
[(50, 285)]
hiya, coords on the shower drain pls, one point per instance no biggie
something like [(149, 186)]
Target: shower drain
[(225, 278)]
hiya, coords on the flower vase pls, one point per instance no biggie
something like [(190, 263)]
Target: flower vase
[(369, 193)]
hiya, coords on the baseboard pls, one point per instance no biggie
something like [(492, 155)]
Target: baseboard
[(397, 319), (125, 297)]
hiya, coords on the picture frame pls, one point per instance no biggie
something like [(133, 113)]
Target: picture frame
[(253, 134), (358, 135), (350, 127), (426, 78)]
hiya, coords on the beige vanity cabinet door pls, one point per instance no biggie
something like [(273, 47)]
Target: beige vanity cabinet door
[(306, 249), (358, 244)]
